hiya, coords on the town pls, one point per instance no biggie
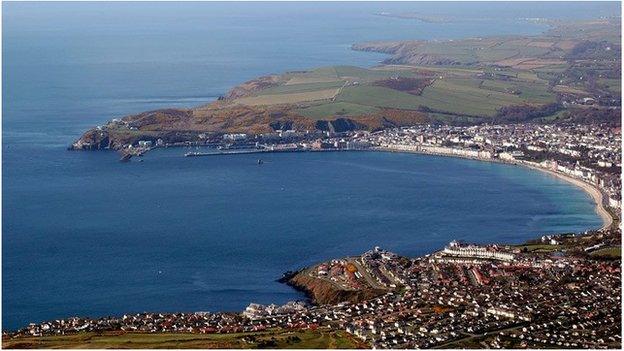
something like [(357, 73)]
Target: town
[(557, 291), (591, 153), (556, 295)]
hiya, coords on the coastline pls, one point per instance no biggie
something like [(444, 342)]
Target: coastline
[(597, 196), (595, 193)]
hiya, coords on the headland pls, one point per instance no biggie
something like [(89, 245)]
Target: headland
[(463, 295), (518, 100), (496, 80)]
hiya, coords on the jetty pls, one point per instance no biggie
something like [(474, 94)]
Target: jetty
[(260, 151), (220, 153)]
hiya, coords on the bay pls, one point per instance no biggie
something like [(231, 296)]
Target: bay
[(83, 234)]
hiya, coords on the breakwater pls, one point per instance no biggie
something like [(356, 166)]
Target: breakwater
[(594, 192)]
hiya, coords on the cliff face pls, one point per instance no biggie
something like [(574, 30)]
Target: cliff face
[(180, 125), (407, 52), (339, 125), (324, 292), (93, 139), (252, 86), (504, 51), (336, 98), (385, 47)]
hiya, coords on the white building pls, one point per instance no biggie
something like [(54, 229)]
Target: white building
[(472, 251), (234, 136)]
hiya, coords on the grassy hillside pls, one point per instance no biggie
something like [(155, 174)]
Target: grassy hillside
[(340, 108), (498, 79), (331, 92)]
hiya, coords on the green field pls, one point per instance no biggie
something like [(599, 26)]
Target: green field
[(478, 50), (552, 68), (456, 96), (608, 252), (336, 109), (454, 93), (301, 88), (343, 73), (308, 339), (368, 75), (460, 81), (613, 85), (528, 92), (466, 97), (379, 97), (539, 248)]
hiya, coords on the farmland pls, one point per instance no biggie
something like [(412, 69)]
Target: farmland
[(309, 339), (340, 91), (570, 73), (608, 252), (289, 98), (332, 109), (613, 85)]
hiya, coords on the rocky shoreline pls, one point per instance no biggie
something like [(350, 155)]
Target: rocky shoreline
[(322, 292), (433, 300)]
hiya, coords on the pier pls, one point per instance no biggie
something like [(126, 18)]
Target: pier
[(235, 152), (261, 151)]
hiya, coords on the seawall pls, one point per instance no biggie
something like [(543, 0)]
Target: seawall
[(598, 196)]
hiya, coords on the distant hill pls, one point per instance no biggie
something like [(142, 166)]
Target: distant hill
[(470, 81)]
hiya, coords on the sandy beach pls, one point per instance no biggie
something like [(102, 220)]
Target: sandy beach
[(593, 191), (595, 194)]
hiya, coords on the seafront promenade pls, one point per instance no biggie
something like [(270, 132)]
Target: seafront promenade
[(464, 295), (596, 194), (599, 197)]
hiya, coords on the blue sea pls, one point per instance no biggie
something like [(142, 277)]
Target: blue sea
[(83, 234)]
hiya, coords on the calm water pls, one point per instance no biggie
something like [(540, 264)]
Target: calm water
[(86, 235)]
